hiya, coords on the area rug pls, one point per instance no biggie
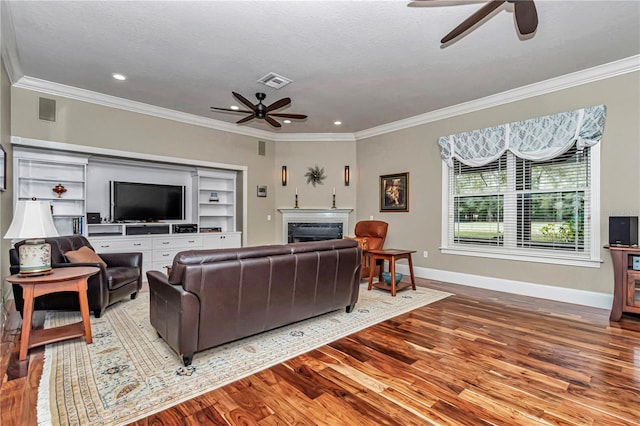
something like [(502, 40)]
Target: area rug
[(128, 372)]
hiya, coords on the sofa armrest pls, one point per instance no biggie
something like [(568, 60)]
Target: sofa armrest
[(122, 259), (174, 313)]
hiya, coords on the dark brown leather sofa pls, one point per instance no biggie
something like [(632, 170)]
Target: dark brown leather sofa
[(121, 278), (211, 297)]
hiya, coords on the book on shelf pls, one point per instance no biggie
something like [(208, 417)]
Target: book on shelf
[(213, 197), (77, 224)]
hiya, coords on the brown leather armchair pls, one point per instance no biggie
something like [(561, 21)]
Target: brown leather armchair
[(120, 278), (370, 235)]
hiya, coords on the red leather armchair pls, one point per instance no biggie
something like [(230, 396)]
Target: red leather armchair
[(370, 235)]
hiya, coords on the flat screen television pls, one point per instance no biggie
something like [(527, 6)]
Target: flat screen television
[(146, 202)]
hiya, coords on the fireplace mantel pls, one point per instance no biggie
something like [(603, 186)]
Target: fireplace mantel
[(314, 215)]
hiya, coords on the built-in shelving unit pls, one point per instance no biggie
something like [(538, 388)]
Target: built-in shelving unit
[(210, 201), (37, 173), (215, 199)]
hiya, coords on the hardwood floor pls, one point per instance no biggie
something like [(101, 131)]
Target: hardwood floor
[(476, 358)]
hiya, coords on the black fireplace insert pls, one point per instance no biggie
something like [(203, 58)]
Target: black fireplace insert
[(313, 231)]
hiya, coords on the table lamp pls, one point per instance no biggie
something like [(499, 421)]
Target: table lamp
[(32, 221)]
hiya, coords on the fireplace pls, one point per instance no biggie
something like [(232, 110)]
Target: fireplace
[(312, 231), (314, 224)]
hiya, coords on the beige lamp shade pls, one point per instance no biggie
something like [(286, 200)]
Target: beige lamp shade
[(32, 221)]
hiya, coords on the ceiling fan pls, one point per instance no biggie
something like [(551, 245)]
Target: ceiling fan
[(524, 10), (260, 110)]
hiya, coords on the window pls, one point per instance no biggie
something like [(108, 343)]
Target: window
[(523, 209)]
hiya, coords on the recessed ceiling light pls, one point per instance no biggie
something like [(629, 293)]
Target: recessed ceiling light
[(337, 123), (287, 121), (234, 107), (119, 77)]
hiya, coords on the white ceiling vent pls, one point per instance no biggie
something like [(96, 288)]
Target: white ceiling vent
[(274, 80)]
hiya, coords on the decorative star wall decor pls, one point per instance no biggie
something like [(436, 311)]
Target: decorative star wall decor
[(315, 175)]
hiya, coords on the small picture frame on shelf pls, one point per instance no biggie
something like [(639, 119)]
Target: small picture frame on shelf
[(262, 191), (213, 197)]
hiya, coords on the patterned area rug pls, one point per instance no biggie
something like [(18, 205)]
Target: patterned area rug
[(129, 373)]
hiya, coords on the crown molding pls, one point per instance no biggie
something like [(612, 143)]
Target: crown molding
[(9, 52), (588, 75), (79, 94), (314, 137)]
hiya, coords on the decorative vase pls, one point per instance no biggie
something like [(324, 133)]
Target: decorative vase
[(59, 189), (386, 276)]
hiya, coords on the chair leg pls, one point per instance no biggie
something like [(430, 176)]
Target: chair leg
[(98, 312)]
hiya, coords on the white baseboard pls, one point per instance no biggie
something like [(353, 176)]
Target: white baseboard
[(543, 291)]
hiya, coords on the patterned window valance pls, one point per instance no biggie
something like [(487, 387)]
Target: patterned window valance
[(541, 138)]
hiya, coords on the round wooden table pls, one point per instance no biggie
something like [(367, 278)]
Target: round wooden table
[(61, 279)]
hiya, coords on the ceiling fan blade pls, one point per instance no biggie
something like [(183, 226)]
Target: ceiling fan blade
[(278, 104), (231, 110), (526, 16), (244, 101), (441, 3), (285, 115), (273, 122), (472, 20), (247, 118)]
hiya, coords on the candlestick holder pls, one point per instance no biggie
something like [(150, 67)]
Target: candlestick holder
[(296, 205), (333, 206)]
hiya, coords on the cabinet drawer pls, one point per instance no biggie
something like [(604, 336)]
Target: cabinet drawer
[(165, 255), (120, 245), (178, 242)]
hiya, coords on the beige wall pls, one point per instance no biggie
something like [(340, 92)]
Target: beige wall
[(416, 151), (6, 203), (298, 157), (412, 150)]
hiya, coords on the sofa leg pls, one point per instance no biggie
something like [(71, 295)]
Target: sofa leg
[(134, 295), (350, 308), (98, 312), (187, 359)]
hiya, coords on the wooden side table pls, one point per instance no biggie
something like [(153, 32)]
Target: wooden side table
[(391, 256), (61, 279), (626, 281)]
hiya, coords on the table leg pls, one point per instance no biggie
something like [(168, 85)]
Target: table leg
[(27, 316), (392, 271), (371, 271), (413, 278), (84, 309)]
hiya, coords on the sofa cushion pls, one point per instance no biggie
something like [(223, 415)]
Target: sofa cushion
[(120, 275), (83, 255)]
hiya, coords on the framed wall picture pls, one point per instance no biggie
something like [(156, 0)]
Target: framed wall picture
[(394, 192), (262, 191)]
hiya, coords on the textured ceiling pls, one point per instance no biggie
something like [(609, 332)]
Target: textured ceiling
[(362, 62)]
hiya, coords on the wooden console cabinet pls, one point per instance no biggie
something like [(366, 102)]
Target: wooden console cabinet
[(626, 292)]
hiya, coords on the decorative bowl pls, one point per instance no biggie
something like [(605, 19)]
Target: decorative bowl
[(386, 276)]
